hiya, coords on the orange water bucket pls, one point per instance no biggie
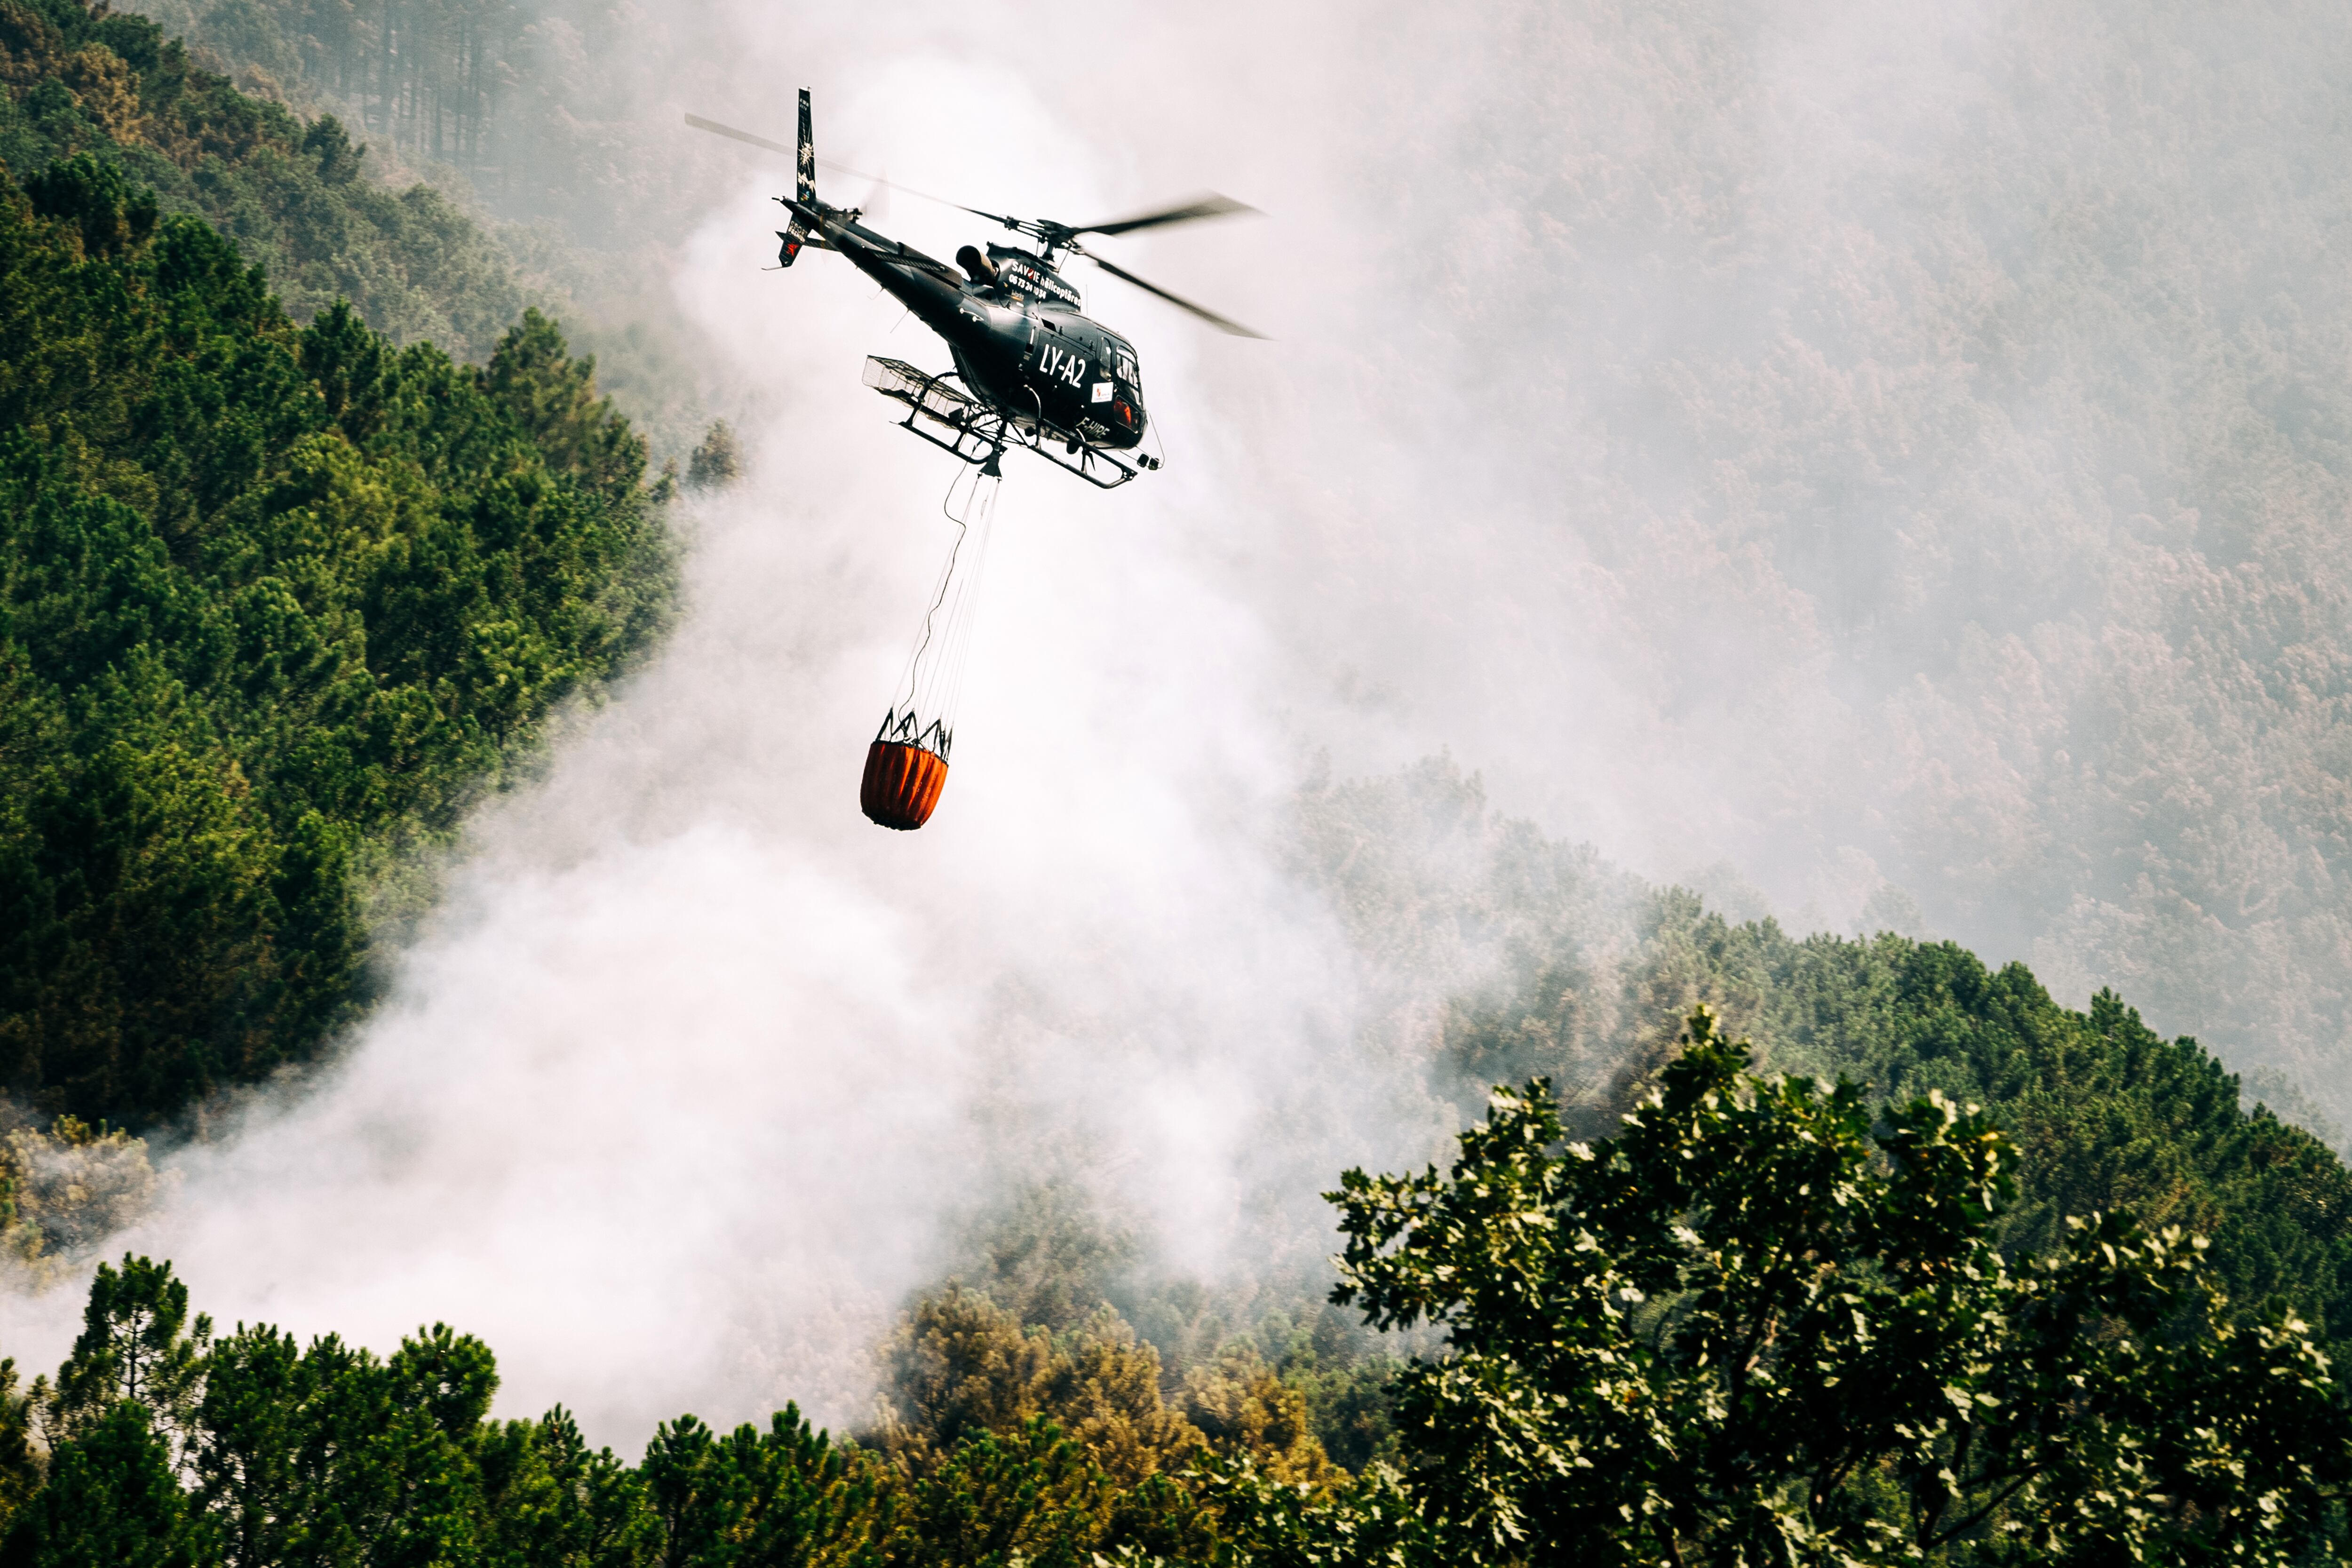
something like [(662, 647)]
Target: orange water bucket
[(902, 785)]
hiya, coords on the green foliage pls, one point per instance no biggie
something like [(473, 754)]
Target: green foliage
[(552, 399), (264, 1403), (1030, 1496), (331, 1456), (20, 1467), (274, 602), (1498, 955), (782, 1495), (1348, 1406), (1266, 1524), (2104, 1113), (67, 1189), (960, 1367), (1760, 1324), (1752, 1328), (106, 89), (555, 1503), (1242, 1407), (137, 1346), (111, 1499), (717, 461)]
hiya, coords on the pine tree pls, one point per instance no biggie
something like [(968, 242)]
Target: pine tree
[(20, 1467), (111, 1499), (137, 1346), (716, 463)]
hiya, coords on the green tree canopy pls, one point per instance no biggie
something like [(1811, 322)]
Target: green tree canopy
[(78, 79), (111, 1499), (137, 1345), (274, 602), (1759, 1325)]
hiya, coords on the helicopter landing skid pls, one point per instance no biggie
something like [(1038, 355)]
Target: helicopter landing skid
[(941, 412)]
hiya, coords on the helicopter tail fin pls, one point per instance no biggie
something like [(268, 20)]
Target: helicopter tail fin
[(806, 184), (803, 190)]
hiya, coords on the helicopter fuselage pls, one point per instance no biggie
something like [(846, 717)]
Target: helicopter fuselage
[(1014, 328)]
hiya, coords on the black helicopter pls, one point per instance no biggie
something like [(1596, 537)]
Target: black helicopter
[(1030, 370)]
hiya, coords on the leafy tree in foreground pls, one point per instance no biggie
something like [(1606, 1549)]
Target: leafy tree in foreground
[(1754, 1327), (1597, 969), (2103, 1112)]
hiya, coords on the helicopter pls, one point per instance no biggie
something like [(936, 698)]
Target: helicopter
[(1029, 368)]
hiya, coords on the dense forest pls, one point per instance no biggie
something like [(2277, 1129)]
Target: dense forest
[(274, 601), (1053, 1405), (428, 78), (293, 196), (237, 131), (1763, 1320)]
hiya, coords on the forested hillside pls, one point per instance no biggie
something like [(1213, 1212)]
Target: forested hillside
[(428, 81), (1549, 961), (293, 196), (465, 165), (274, 600), (532, 106)]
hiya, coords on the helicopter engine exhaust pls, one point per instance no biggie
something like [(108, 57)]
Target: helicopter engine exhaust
[(979, 267)]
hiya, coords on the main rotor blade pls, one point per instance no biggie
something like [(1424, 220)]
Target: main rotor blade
[(732, 134), (1210, 205), (919, 196), (1223, 323)]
